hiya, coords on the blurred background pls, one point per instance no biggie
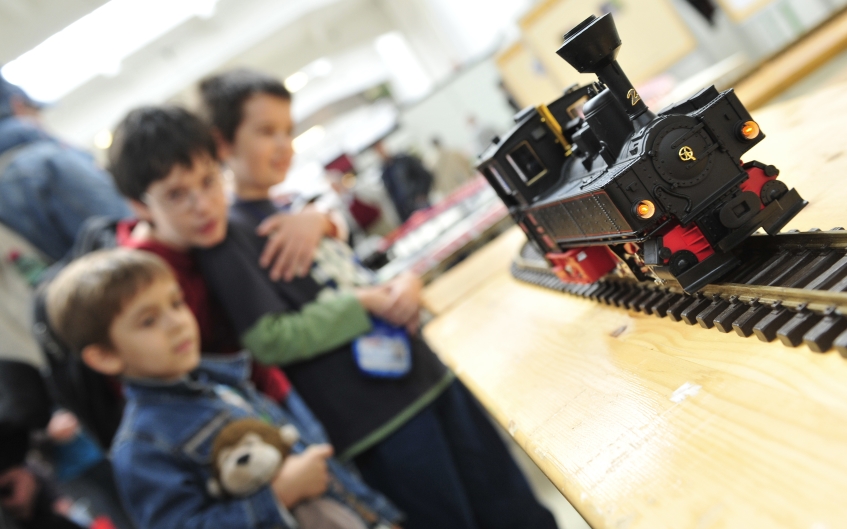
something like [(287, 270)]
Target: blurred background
[(434, 79)]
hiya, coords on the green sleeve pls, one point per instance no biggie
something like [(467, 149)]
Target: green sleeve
[(320, 326)]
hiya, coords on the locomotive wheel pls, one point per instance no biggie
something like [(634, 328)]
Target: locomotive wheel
[(773, 190), (681, 261)]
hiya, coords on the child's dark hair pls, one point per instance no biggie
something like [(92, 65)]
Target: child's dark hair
[(224, 95), (150, 141)]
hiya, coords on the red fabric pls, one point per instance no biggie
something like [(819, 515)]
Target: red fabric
[(102, 522), (365, 214), (343, 163), (216, 334)]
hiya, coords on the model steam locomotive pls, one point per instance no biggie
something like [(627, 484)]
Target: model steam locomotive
[(600, 183)]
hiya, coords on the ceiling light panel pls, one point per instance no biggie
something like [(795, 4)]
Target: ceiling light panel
[(97, 43), (296, 81)]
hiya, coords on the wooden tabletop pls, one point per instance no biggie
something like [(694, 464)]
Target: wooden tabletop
[(794, 63), (646, 423)]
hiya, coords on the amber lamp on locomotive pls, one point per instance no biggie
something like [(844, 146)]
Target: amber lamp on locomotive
[(749, 130), (645, 209)]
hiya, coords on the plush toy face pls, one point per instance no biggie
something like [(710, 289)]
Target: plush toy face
[(248, 465), (247, 454)]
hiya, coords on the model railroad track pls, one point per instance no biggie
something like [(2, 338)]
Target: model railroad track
[(791, 287)]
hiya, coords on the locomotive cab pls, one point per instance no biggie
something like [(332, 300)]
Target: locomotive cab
[(524, 166)]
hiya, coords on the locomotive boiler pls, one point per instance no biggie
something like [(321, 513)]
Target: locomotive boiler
[(599, 183)]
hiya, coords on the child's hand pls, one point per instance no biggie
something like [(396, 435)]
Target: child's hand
[(397, 302), (377, 300), (303, 476), (382, 302), (292, 241), (63, 427), (406, 300)]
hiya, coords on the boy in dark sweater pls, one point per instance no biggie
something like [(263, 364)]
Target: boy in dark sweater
[(386, 400)]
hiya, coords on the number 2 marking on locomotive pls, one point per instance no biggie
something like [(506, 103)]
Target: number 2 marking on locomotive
[(633, 96), (686, 154)]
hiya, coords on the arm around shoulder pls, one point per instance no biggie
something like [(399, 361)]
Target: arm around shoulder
[(319, 327)]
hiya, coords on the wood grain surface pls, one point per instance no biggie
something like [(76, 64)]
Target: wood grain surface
[(474, 272), (795, 62), (646, 423)]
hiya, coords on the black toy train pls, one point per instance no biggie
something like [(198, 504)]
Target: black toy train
[(596, 180)]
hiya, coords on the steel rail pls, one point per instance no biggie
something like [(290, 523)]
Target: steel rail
[(793, 287)]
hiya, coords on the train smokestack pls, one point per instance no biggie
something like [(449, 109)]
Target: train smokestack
[(592, 47)]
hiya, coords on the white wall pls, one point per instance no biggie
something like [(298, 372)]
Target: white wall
[(444, 113)]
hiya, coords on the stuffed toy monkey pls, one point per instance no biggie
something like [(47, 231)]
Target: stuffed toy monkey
[(247, 455)]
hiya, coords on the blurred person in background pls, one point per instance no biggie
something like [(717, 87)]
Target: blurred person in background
[(27, 499), (360, 215), (406, 180), (47, 188), (481, 134), (452, 168), (21, 265), (510, 98)]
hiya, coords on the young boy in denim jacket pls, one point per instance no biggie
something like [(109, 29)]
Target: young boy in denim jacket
[(124, 312), (416, 434)]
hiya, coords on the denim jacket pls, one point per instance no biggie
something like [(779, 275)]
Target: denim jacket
[(162, 452), (48, 189)]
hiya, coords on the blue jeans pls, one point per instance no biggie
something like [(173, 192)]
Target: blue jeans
[(447, 468)]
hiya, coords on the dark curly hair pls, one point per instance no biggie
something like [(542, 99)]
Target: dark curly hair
[(150, 141), (223, 97)]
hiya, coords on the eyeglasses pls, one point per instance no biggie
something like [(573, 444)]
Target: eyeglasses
[(183, 199)]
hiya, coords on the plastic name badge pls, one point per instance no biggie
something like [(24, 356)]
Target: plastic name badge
[(385, 352)]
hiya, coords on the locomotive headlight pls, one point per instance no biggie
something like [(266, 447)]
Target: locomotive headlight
[(749, 130), (645, 209)]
